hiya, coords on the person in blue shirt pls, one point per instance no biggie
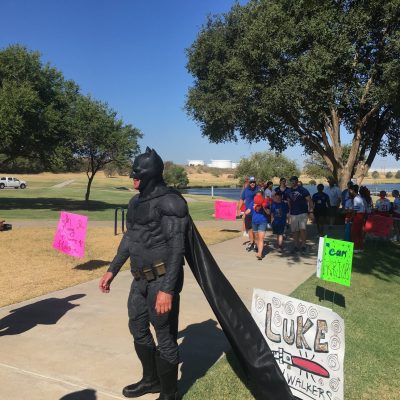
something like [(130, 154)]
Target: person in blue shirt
[(301, 206), (246, 198), (283, 189), (279, 210), (321, 206), (346, 194)]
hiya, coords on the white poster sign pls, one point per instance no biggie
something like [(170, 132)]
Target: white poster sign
[(307, 341), (320, 255)]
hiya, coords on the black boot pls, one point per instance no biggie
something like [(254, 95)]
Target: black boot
[(168, 374), (150, 382)]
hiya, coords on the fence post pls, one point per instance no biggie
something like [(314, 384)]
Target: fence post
[(116, 220)]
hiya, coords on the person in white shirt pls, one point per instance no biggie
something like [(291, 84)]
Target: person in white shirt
[(357, 227), (383, 205), (335, 198), (396, 214), (268, 189)]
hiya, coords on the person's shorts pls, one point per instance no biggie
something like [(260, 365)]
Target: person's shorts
[(278, 229), (260, 227), (298, 222), (248, 224), (320, 216), (333, 211)]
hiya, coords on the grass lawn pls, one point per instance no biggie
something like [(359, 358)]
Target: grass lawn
[(41, 200), (30, 266), (372, 322)]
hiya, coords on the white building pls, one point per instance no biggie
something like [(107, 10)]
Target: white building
[(222, 164), (195, 162)]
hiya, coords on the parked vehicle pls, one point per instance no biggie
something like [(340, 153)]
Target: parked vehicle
[(10, 182)]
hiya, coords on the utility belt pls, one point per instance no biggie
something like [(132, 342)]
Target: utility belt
[(150, 273)]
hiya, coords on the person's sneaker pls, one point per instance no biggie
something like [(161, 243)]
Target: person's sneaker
[(246, 234), (250, 247)]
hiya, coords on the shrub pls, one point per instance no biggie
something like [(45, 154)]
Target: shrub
[(312, 182), (375, 175), (389, 174)]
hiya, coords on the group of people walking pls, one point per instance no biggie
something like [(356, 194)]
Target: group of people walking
[(267, 207), (287, 208)]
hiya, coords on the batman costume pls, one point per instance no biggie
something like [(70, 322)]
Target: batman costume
[(159, 234)]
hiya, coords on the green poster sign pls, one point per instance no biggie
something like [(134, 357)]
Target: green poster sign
[(337, 260)]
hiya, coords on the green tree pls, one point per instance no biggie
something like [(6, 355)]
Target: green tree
[(305, 72), (315, 166), (397, 175), (266, 165), (35, 100), (175, 175), (375, 174), (389, 174), (100, 138)]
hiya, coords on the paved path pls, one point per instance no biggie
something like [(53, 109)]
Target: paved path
[(74, 343), (62, 184)]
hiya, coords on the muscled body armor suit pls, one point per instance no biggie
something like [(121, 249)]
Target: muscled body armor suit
[(156, 227), (159, 227)]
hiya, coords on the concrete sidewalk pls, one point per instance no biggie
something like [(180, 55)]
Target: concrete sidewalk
[(74, 343)]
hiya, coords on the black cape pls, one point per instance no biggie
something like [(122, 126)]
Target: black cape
[(265, 378)]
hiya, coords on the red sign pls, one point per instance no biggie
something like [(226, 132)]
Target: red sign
[(378, 225)]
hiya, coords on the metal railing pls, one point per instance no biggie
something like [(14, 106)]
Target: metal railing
[(116, 220)]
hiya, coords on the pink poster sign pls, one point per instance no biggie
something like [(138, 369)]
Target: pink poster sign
[(71, 234), (225, 209)]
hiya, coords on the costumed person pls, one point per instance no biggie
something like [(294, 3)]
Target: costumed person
[(157, 220), (159, 234)]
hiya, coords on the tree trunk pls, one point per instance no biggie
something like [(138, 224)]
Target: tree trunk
[(361, 171), (90, 180), (344, 176)]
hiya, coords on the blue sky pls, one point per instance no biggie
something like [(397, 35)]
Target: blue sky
[(130, 54)]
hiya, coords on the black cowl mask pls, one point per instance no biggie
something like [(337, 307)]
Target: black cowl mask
[(148, 167)]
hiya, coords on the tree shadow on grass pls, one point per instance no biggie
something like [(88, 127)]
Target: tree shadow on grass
[(86, 394), (55, 204), (380, 259), (91, 265), (43, 312), (203, 344)]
